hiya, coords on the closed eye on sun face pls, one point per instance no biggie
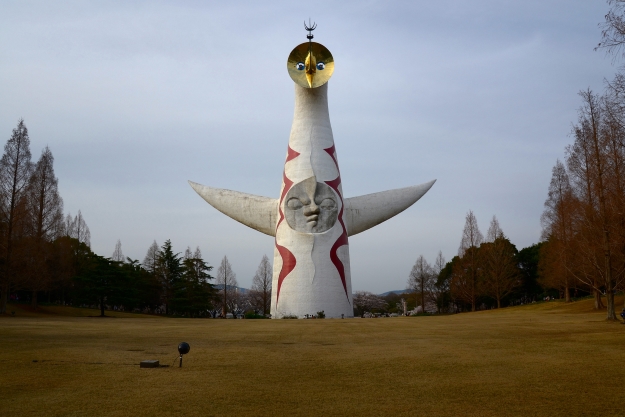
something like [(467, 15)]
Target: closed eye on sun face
[(328, 204), (294, 204), (321, 66), (300, 66)]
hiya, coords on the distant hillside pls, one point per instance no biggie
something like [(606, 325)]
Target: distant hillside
[(246, 290), (239, 289), (384, 294)]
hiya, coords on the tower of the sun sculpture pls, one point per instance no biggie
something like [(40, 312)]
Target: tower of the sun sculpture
[(311, 220)]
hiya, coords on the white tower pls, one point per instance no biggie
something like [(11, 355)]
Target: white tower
[(311, 220)]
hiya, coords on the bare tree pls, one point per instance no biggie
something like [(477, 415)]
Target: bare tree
[(68, 225), (471, 235), (45, 202), (437, 289), (226, 280), (613, 29), (593, 180), (45, 211), (118, 255), (260, 294), (494, 230), (77, 228), (465, 282), (421, 279), (557, 223), (151, 258), (501, 274), (15, 171), (81, 230)]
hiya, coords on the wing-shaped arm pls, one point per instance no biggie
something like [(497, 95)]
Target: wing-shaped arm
[(254, 211), (369, 210)]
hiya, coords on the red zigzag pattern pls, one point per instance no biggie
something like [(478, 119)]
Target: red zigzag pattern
[(342, 240), (288, 259)]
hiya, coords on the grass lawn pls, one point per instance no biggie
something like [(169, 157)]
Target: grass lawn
[(547, 359)]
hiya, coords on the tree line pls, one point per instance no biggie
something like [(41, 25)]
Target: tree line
[(168, 283), (44, 252), (486, 273), (35, 238), (584, 216), (582, 247)]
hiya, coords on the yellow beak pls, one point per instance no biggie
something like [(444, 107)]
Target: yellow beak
[(311, 67)]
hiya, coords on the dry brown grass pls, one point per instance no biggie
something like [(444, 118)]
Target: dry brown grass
[(540, 360)]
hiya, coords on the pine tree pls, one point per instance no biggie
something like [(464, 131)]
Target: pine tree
[(169, 272), (194, 294)]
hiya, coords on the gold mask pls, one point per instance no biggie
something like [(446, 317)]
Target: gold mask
[(310, 64)]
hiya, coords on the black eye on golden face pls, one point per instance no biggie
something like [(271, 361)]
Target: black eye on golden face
[(294, 204), (321, 66), (300, 66)]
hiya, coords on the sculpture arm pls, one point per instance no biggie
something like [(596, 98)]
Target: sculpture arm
[(254, 211), (369, 210)]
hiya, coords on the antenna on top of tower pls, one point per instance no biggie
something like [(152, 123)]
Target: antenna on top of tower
[(310, 28)]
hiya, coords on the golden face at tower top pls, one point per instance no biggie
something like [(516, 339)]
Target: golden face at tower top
[(310, 64)]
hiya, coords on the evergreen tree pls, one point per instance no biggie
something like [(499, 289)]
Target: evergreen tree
[(193, 293), (169, 271)]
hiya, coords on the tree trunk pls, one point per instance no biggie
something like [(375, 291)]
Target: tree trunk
[(33, 301), (473, 291), (4, 297), (224, 309), (610, 298), (498, 302), (598, 303), (567, 292), (101, 307)]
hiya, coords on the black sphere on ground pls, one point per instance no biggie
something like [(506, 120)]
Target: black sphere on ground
[(184, 348)]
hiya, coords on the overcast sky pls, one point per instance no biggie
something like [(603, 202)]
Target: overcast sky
[(135, 98)]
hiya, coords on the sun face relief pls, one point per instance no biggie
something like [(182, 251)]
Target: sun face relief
[(311, 207)]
